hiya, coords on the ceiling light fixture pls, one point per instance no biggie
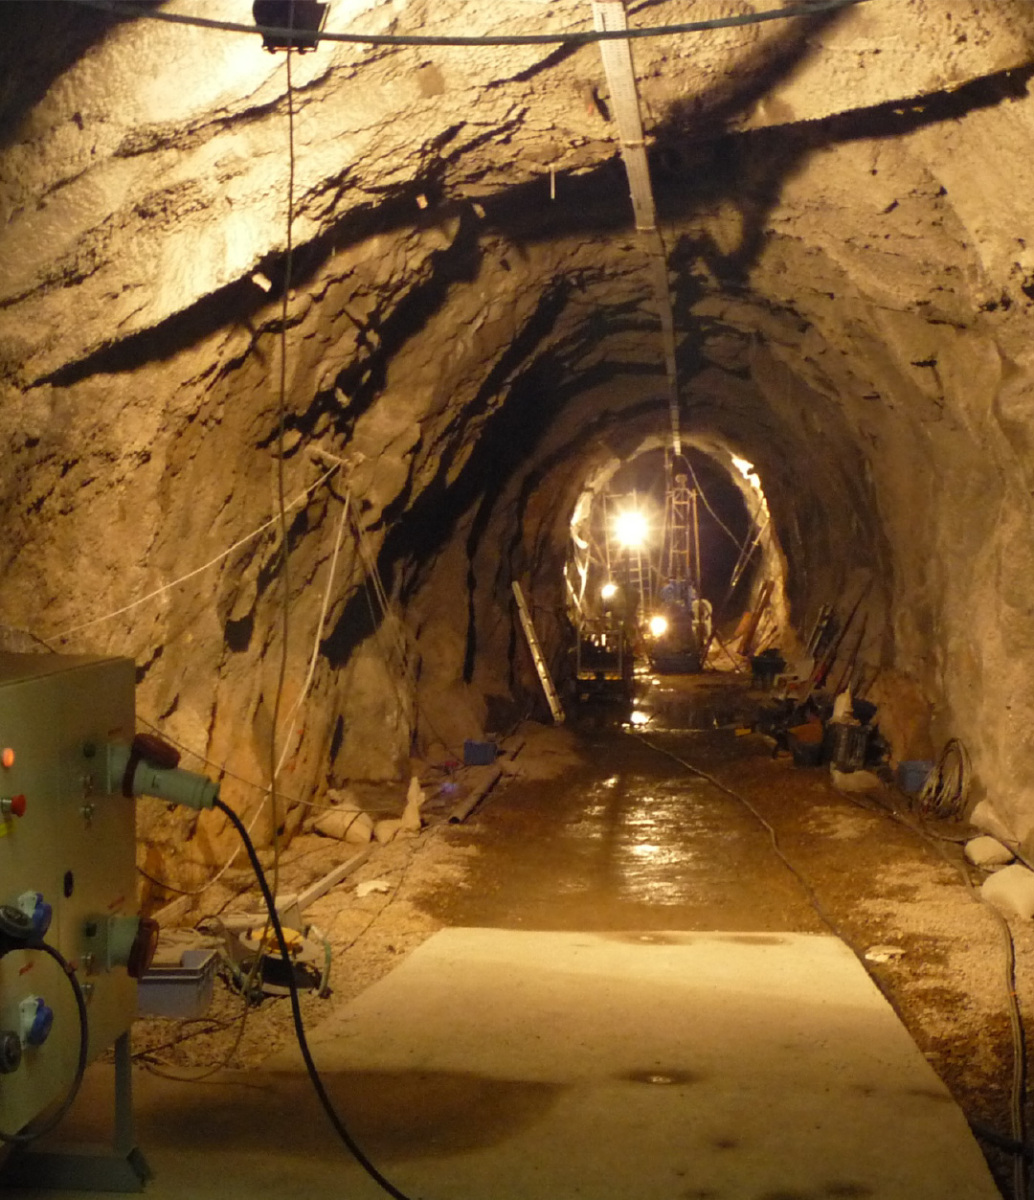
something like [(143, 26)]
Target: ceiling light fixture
[(304, 19)]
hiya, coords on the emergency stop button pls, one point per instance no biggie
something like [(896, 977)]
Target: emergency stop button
[(12, 806)]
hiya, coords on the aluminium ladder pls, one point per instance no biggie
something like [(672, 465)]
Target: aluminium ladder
[(555, 706)]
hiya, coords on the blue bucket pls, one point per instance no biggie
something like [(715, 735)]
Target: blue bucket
[(478, 754), (912, 774)]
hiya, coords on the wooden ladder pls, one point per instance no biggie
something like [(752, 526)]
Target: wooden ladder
[(555, 706)]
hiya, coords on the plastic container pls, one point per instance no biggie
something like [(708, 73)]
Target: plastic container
[(850, 746), (805, 753), (912, 774), (178, 991), (765, 667), (478, 754)]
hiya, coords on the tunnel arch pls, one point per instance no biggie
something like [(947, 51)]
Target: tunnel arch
[(472, 334)]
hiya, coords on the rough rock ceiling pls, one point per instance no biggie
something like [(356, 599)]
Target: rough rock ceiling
[(845, 201)]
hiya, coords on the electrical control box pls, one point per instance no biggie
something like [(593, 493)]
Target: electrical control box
[(67, 855)]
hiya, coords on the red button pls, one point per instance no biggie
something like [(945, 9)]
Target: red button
[(15, 806)]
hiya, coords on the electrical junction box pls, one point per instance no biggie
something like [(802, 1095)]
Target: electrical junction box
[(68, 840)]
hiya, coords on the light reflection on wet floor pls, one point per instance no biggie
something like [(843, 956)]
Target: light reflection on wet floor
[(650, 838), (631, 841)]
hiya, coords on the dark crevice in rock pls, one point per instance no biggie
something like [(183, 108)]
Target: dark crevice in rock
[(556, 56), (236, 303), (470, 649), (336, 740), (270, 570), (366, 377), (237, 634), (143, 668), (352, 628)]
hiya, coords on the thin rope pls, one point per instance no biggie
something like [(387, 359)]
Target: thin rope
[(319, 630)]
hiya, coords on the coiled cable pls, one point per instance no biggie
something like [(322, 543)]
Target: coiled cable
[(946, 789), (25, 1137)]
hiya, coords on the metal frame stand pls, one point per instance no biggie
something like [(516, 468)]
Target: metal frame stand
[(120, 1168)]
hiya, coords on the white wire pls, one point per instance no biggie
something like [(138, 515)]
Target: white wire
[(319, 631), (197, 570), (266, 789)]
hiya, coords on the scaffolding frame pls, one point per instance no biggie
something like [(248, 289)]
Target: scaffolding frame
[(682, 533)]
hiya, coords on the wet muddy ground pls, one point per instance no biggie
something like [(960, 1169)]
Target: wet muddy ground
[(682, 824)]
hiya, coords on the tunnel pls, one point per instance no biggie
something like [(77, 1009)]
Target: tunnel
[(459, 333), (306, 359)]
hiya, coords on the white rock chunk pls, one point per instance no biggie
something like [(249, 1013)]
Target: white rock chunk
[(411, 820), (1011, 891), (883, 954), (984, 817), (988, 853), (384, 831), (372, 885), (348, 824)]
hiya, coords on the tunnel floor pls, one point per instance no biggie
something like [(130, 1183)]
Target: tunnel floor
[(610, 838)]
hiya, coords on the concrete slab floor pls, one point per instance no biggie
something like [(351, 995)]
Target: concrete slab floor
[(513, 1065)]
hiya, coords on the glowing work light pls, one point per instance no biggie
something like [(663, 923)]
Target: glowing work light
[(630, 529)]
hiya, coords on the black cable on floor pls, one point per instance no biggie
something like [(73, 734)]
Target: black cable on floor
[(809, 891), (25, 1138), (299, 1029)]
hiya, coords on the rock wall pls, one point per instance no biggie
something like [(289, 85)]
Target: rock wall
[(471, 335)]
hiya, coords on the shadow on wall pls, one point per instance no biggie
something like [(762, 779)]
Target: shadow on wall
[(38, 44)]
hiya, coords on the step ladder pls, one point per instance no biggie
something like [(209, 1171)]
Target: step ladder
[(555, 706)]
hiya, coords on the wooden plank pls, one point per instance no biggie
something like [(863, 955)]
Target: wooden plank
[(173, 910), (320, 888)]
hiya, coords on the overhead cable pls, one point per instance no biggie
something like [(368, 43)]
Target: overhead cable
[(122, 8)]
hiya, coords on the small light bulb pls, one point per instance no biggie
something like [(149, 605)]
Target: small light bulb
[(658, 625)]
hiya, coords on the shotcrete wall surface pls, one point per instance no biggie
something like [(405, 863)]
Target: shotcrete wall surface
[(471, 335)]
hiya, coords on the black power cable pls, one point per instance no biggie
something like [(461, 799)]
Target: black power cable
[(24, 1138), (816, 8), (303, 1045)]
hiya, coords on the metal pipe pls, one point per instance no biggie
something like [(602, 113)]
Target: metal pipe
[(466, 806)]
